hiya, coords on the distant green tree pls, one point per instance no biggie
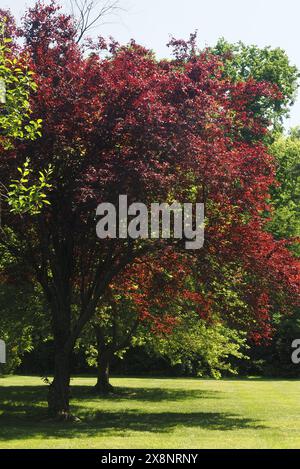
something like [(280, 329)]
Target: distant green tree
[(200, 348), (285, 224), (285, 198), (275, 357), (22, 309), (243, 62)]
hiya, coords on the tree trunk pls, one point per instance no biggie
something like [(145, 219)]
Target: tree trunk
[(104, 357), (59, 390), (103, 385)]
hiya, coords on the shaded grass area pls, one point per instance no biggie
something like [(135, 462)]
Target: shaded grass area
[(155, 413)]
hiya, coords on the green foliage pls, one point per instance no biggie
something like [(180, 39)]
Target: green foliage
[(263, 64), (118, 327), (274, 358), (16, 86), (288, 330), (22, 309), (20, 313), (201, 348), (25, 197), (286, 197)]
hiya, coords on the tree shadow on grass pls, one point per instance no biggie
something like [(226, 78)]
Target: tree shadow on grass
[(144, 394), (12, 397), (158, 422), (124, 423), (21, 409)]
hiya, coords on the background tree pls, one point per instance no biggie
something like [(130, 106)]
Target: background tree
[(241, 62), (286, 195), (284, 225), (144, 301), (22, 311), (201, 349), (245, 62)]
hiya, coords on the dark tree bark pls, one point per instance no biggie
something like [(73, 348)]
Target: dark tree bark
[(59, 390), (103, 385), (65, 335), (104, 357)]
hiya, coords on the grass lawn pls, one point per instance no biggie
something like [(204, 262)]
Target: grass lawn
[(155, 413)]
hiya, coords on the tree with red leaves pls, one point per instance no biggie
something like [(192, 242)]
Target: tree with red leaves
[(156, 131), (144, 299), (160, 297)]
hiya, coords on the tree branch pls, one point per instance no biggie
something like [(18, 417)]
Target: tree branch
[(89, 14)]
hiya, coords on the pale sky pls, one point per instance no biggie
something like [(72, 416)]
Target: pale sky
[(151, 22)]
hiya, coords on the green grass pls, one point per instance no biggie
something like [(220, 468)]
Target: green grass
[(155, 413)]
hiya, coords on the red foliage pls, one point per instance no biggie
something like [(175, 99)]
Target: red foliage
[(131, 124)]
